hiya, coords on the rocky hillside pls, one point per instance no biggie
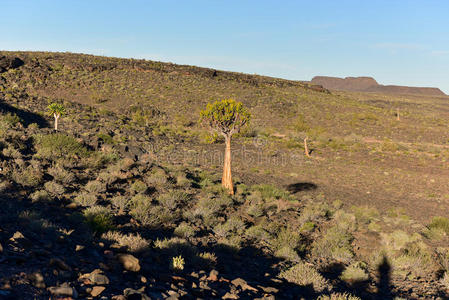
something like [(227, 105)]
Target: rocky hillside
[(368, 84), (125, 201)]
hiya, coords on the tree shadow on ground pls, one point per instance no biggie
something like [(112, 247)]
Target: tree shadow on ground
[(301, 186), (26, 117)]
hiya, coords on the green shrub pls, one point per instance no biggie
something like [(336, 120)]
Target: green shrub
[(210, 205), (173, 198), (158, 177), (440, 223), (314, 211), (269, 191), (355, 273), (40, 196), (58, 145), (288, 254), (10, 151), (339, 296), (177, 263), (86, 199), (334, 244), (10, 119), (255, 210), (286, 238), (415, 260), (208, 259), (120, 202), (133, 242), (184, 230), (138, 187), (99, 219), (61, 175), (106, 138), (28, 177), (95, 187), (231, 227), (304, 275), (258, 233), (54, 188), (364, 214)]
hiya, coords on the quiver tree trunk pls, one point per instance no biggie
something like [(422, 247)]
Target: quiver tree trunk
[(56, 121), (226, 180), (306, 147)]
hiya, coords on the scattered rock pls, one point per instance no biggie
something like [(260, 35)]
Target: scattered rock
[(38, 280), (230, 296), (79, 248), (243, 284), (132, 294), (97, 290), (129, 262), (268, 289), (173, 294), (63, 291), (100, 279), (213, 275), (21, 240), (1, 248)]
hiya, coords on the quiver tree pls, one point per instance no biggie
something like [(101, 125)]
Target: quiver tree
[(226, 117), (56, 110)]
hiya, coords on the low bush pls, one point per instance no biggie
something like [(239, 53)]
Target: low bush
[(120, 202), (184, 230), (54, 188), (61, 175), (304, 275), (28, 177), (58, 145), (133, 242), (355, 273), (40, 196), (138, 187), (95, 187), (86, 199), (440, 223), (99, 219), (334, 244)]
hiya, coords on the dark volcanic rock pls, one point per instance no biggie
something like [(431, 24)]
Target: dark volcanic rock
[(368, 84), (7, 63)]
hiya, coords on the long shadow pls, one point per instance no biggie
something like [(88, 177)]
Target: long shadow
[(27, 117)]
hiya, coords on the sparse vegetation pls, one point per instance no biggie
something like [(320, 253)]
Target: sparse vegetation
[(139, 179)]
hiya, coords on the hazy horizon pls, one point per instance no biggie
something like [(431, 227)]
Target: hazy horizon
[(396, 43)]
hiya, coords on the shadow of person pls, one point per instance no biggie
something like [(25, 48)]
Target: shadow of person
[(384, 288)]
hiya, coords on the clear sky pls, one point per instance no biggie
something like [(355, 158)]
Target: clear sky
[(397, 42)]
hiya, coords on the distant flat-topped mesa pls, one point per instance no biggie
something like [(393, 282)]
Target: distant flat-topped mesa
[(369, 84)]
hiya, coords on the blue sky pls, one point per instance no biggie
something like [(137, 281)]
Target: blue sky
[(397, 42)]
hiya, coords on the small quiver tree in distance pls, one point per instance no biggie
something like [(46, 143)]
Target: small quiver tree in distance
[(226, 117), (56, 110)]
